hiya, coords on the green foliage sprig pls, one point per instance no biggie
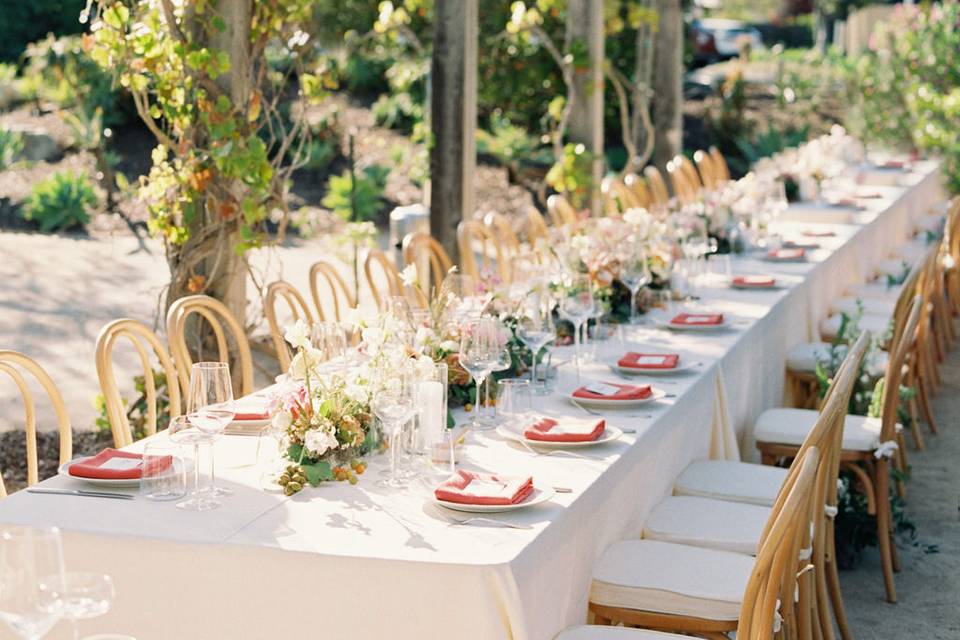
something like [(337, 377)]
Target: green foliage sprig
[(60, 202)]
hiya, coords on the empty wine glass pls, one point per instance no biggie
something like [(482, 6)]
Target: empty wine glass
[(210, 408), (535, 329), (86, 595), (183, 431), (330, 341), (394, 406), (634, 273), (31, 580), (577, 305), (479, 354)]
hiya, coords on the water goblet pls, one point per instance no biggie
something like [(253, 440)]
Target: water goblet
[(577, 305), (86, 595), (479, 354), (31, 580), (394, 406), (634, 274), (183, 431), (210, 408)]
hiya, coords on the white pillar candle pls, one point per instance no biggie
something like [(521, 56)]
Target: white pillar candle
[(432, 420)]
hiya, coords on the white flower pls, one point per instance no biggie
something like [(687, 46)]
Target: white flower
[(298, 335), (450, 346), (356, 393), (319, 441), (409, 275), (424, 367), (282, 420), (299, 366)]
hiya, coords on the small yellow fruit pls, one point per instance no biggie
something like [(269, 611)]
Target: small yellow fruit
[(468, 407)]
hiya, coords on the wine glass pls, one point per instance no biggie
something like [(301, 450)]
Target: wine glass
[(330, 340), (31, 580), (479, 354), (183, 431), (634, 274), (210, 408), (502, 363), (535, 329), (86, 595), (394, 406), (577, 305)]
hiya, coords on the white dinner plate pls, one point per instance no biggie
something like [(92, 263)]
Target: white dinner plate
[(655, 394), (538, 496), (758, 287), (511, 433), (789, 260), (703, 328), (64, 470), (686, 364)]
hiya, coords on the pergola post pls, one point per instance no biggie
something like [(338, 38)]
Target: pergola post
[(585, 23), (453, 106), (668, 83)]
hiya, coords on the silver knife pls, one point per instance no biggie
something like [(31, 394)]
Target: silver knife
[(82, 492)]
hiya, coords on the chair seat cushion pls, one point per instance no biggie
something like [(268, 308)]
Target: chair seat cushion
[(933, 222), (803, 358), (648, 575), (596, 632), (874, 306), (755, 484), (791, 426), (708, 523), (876, 325), (913, 250), (875, 289), (895, 267)]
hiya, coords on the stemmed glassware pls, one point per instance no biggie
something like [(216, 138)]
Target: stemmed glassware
[(395, 406), (210, 408), (479, 354), (31, 580), (86, 595), (577, 305), (535, 329), (634, 273)]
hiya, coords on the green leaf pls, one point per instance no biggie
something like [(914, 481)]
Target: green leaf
[(219, 24), (317, 472)]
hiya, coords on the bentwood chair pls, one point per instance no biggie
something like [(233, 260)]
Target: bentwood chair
[(475, 239), (298, 311), (506, 237), (536, 226), (561, 211), (14, 364), (428, 256), (684, 188), (708, 172), (333, 306), (720, 163), (867, 447), (388, 284), (143, 340), (639, 188), (673, 587), (660, 195), (216, 315)]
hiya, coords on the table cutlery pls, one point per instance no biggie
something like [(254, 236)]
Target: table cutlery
[(548, 452), (82, 492), (563, 489), (481, 520), (623, 415)]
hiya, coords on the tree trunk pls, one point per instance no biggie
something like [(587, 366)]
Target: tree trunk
[(642, 128), (585, 24), (668, 82)]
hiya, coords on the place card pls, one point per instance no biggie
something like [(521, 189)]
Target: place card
[(602, 389), (122, 464)]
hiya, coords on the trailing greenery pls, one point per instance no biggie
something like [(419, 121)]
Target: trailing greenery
[(11, 144), (367, 197), (137, 410), (60, 202)]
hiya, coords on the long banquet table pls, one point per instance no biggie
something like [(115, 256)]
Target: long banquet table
[(364, 562)]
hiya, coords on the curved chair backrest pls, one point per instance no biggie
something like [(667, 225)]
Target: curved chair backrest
[(693, 176), (428, 256), (217, 315), (774, 577), (658, 186), (391, 285), (894, 374), (624, 198), (298, 311), (506, 237), (473, 237), (639, 188), (13, 363), (684, 187), (719, 164), (339, 292), (144, 340), (705, 165), (536, 225), (561, 211)]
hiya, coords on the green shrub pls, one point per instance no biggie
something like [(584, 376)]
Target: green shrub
[(11, 144), (60, 202), (371, 183)]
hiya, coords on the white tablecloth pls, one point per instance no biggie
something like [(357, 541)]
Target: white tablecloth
[(362, 562)]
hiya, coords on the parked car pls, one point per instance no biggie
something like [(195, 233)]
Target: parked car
[(716, 39)]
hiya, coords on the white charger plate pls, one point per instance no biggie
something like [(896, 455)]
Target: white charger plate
[(64, 470), (609, 435), (655, 394), (538, 496)]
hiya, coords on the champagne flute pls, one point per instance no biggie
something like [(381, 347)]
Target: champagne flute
[(479, 353), (634, 274), (577, 306), (394, 406), (86, 595), (210, 408), (31, 580)]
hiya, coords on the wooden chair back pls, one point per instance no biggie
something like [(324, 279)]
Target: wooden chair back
[(639, 188), (894, 373), (705, 165), (536, 226), (473, 239), (429, 257), (217, 315), (143, 340), (561, 212), (719, 164), (657, 185), (389, 284), (506, 237), (339, 293), (298, 311), (14, 364)]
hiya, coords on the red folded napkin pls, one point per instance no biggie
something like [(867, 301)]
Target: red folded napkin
[(634, 360), (697, 319), (623, 392), (570, 430), (112, 464), (467, 487), (801, 244), (893, 164), (847, 203), (786, 254), (255, 408), (811, 233), (754, 281)]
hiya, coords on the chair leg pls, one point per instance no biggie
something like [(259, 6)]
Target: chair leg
[(900, 462), (924, 397), (836, 598), (884, 535)]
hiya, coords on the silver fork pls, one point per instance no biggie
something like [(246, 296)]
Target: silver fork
[(453, 521), (601, 415), (549, 452)]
